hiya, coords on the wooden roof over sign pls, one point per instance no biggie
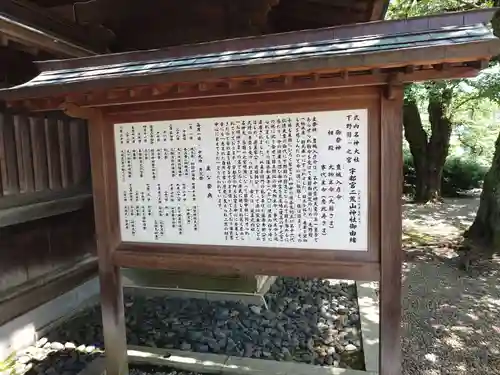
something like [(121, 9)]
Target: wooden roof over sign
[(167, 23), (444, 46)]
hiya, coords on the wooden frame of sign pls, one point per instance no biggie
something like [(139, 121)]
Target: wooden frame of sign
[(102, 90), (381, 260)]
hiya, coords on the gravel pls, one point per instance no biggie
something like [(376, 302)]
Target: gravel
[(450, 317), (308, 320), (53, 358)]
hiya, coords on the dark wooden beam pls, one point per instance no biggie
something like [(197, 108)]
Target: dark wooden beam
[(39, 210), (329, 6), (16, 66), (223, 88), (33, 25), (52, 3), (112, 307), (142, 257), (294, 15), (43, 289), (390, 242)]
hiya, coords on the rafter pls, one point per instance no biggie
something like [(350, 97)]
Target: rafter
[(34, 26)]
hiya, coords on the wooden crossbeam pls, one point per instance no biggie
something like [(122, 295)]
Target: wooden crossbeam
[(35, 26)]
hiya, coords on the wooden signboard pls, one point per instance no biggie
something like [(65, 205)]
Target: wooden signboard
[(276, 181), (279, 155)]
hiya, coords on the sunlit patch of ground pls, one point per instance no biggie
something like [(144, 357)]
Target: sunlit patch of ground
[(451, 318), (433, 222)]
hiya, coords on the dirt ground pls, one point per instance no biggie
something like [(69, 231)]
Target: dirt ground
[(451, 317)]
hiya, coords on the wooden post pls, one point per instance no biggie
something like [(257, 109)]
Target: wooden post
[(391, 249), (113, 317)]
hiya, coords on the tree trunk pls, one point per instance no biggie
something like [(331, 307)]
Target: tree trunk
[(485, 230), (429, 154)]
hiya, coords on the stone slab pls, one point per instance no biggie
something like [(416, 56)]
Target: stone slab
[(370, 318), (246, 298), (227, 365), (189, 361)]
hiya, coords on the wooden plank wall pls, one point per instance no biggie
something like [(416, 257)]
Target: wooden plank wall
[(40, 153), (43, 158)]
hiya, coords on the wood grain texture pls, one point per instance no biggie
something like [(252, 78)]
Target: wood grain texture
[(8, 159), (143, 256), (417, 24), (53, 158), (320, 100), (240, 85), (391, 223), (32, 254), (24, 153), (50, 286), (113, 317), (39, 210), (64, 152), (39, 150), (79, 151)]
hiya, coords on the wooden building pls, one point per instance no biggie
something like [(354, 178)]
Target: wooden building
[(357, 68), (46, 228)]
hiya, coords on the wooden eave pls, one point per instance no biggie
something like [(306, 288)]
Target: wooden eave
[(438, 47), (37, 28)]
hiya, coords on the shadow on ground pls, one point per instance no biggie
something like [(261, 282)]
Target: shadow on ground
[(451, 318)]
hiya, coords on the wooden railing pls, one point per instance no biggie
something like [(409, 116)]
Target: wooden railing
[(44, 166)]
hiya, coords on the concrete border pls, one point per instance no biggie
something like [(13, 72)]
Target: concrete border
[(217, 364), (24, 330), (246, 298), (368, 303)]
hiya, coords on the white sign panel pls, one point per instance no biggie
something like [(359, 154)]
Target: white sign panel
[(288, 180)]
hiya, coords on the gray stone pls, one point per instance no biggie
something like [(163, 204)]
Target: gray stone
[(255, 309), (24, 359), (230, 345), (40, 343), (286, 354), (341, 309), (280, 328), (69, 345), (39, 355), (268, 314), (342, 320), (248, 350), (307, 357), (214, 345), (195, 335), (331, 351), (266, 354), (219, 334), (305, 322), (350, 348), (56, 346), (185, 346), (328, 340), (202, 348), (310, 344), (222, 314)]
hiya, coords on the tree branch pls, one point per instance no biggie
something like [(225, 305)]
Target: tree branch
[(466, 3), (465, 101)]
